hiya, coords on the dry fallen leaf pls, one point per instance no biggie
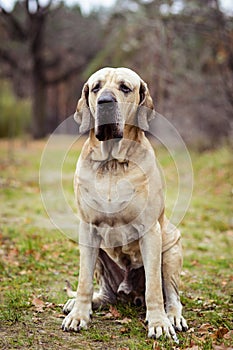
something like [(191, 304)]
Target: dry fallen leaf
[(39, 304), (221, 347), (123, 330), (25, 272), (50, 305), (108, 316), (115, 313), (206, 328), (219, 333), (191, 330), (229, 335), (114, 336), (156, 345), (124, 321)]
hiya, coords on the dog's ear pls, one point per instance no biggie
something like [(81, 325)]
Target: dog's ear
[(83, 114), (146, 107)]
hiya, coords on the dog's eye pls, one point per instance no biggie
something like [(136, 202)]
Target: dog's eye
[(125, 88), (96, 88)]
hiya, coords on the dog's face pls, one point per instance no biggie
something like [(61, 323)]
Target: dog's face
[(110, 99)]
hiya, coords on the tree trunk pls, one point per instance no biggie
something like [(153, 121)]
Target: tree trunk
[(39, 93), (39, 129)]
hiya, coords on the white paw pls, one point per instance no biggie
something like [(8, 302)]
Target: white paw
[(178, 322), (162, 327), (75, 322), (69, 306)]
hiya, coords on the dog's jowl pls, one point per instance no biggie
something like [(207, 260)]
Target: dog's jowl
[(124, 237)]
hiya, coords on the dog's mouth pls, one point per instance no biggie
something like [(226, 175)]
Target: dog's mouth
[(109, 122), (108, 131)]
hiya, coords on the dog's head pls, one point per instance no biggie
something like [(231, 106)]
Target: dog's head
[(112, 98)]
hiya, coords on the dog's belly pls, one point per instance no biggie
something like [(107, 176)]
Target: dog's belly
[(127, 257), (119, 235)]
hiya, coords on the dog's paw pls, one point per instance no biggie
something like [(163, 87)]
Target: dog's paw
[(178, 322), (67, 308), (74, 321), (162, 327)]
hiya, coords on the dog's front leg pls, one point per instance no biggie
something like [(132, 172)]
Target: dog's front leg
[(151, 251), (79, 316)]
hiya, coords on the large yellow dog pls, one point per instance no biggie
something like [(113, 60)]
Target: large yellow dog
[(124, 234)]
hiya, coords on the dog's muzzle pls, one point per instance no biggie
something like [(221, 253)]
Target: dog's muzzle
[(109, 123)]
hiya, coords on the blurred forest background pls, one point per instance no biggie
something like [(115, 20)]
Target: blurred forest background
[(183, 49)]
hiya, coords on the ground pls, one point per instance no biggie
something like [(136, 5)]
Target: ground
[(36, 259)]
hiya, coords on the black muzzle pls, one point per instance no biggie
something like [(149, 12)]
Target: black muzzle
[(108, 120)]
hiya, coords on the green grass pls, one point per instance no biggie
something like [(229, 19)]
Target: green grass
[(36, 259)]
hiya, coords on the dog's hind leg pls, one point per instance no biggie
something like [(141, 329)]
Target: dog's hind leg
[(109, 276), (171, 269)]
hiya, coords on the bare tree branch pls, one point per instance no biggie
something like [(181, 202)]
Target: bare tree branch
[(52, 63), (16, 29), (40, 10), (63, 76), (6, 56), (38, 5)]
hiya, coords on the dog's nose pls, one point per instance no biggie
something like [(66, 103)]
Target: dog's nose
[(106, 97)]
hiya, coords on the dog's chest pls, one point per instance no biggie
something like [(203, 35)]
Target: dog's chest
[(115, 187), (112, 188)]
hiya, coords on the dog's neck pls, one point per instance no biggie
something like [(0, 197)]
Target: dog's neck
[(115, 148), (108, 150)]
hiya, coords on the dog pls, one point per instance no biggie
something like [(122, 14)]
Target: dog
[(124, 235)]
